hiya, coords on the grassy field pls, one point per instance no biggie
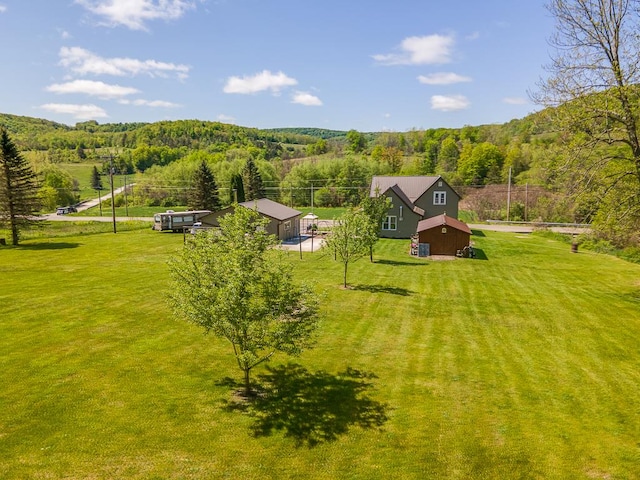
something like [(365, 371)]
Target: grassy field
[(522, 363)]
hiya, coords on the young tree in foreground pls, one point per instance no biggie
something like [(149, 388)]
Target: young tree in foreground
[(204, 190), (594, 83), (376, 209), (18, 188), (349, 239), (236, 285)]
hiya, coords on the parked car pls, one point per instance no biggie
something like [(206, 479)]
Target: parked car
[(66, 210)]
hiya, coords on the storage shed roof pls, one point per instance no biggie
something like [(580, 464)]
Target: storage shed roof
[(441, 221)]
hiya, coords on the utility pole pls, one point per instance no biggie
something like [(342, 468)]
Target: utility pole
[(113, 200), (509, 195), (526, 201), (126, 204)]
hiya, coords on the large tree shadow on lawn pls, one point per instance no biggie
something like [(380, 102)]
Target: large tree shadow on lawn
[(383, 289), (312, 407)]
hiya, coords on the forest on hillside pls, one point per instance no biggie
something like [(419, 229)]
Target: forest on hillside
[(483, 163)]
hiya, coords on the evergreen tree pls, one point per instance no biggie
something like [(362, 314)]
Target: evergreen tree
[(204, 191), (253, 181), (236, 192), (96, 181), (18, 188)]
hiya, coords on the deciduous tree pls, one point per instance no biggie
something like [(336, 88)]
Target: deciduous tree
[(234, 284), (376, 209), (18, 188), (349, 239), (593, 86)]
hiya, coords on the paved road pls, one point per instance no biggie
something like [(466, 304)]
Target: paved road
[(525, 228), (87, 204)]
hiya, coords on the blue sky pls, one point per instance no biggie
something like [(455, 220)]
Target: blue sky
[(365, 65)]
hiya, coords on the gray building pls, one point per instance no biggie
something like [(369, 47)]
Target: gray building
[(284, 222), (413, 198)]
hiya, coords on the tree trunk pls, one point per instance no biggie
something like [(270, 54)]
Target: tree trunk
[(345, 275), (247, 383), (15, 237)]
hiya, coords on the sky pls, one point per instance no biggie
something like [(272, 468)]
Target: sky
[(371, 66)]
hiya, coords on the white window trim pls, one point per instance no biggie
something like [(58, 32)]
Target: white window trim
[(439, 198), (387, 222)]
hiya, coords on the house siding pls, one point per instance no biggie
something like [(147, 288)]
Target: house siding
[(406, 223), (450, 208)]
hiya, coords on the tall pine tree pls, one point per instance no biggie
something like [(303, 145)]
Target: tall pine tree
[(96, 181), (236, 192), (254, 190), (18, 188), (204, 190)]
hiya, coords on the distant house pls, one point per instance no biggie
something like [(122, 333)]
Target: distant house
[(443, 234), (284, 222), (413, 198)]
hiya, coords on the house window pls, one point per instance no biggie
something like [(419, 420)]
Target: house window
[(390, 223), (439, 198), (287, 225)]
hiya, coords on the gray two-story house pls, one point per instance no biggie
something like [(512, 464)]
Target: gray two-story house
[(413, 199)]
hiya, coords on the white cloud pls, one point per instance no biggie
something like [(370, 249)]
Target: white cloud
[(3, 8), (426, 50), (84, 62), (515, 100), (304, 98), (93, 88), (225, 118), (264, 80), (81, 112), (449, 103), (134, 14), (65, 35), (443, 78), (149, 103)]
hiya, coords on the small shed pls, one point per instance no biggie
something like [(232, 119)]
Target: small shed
[(445, 235)]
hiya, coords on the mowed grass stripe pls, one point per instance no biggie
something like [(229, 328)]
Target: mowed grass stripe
[(510, 367)]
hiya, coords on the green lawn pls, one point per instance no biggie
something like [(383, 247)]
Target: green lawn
[(522, 363)]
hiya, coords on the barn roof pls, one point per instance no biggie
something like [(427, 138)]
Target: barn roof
[(441, 221), (271, 209)]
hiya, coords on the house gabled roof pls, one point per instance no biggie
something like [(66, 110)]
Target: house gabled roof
[(398, 191), (441, 221), (412, 186), (271, 209)]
